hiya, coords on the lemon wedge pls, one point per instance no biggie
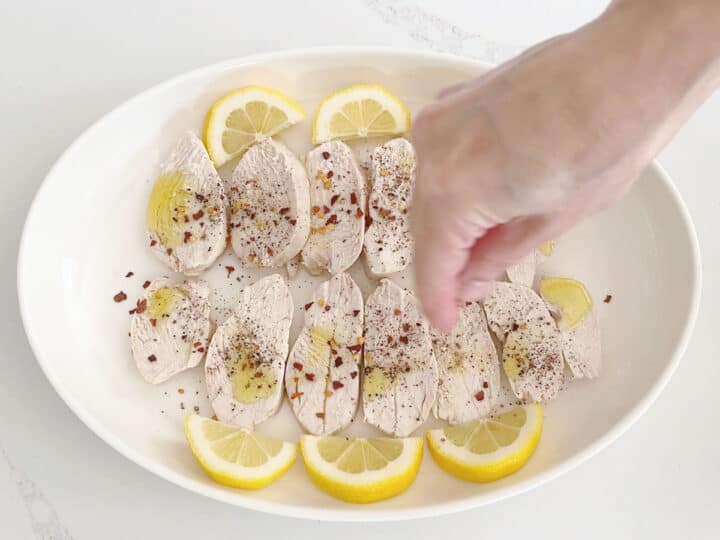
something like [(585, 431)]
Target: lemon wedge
[(362, 470), (238, 119), (571, 298), (356, 112), (237, 457), (489, 449)]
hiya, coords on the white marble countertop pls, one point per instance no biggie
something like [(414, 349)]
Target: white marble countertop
[(64, 64)]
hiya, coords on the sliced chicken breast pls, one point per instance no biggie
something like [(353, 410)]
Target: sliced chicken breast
[(469, 385), (570, 302), (523, 272), (531, 342), (388, 243), (400, 376), (246, 360), (269, 206), (186, 220), (337, 206), (170, 328), (322, 374)]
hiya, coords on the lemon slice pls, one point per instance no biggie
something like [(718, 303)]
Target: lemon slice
[(236, 457), (362, 470), (356, 112), (488, 449), (571, 298), (238, 119), (547, 248)]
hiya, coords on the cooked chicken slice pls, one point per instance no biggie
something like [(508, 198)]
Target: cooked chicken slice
[(388, 243), (170, 328), (400, 377), (469, 385), (337, 206), (321, 378), (246, 360), (186, 219), (269, 206), (532, 346), (523, 272), (570, 301)]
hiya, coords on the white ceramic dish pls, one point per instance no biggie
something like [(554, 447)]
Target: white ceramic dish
[(84, 232)]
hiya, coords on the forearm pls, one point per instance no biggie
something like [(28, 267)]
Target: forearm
[(653, 63)]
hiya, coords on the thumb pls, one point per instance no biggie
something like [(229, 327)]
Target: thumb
[(502, 247)]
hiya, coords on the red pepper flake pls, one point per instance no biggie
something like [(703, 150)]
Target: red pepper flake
[(230, 270), (197, 344), (403, 340), (397, 312), (329, 174), (359, 213), (270, 251), (152, 358), (334, 199), (320, 414), (284, 211), (130, 274), (201, 349), (354, 348), (327, 308), (153, 243), (608, 298), (480, 395), (140, 306), (258, 374), (485, 384), (326, 209), (298, 366), (181, 390), (353, 198), (153, 322), (308, 305), (168, 251), (356, 312), (338, 362), (333, 352), (146, 284), (187, 235), (197, 215), (515, 326), (353, 374), (296, 395), (337, 385), (326, 155), (293, 221), (332, 220), (119, 297), (310, 376)]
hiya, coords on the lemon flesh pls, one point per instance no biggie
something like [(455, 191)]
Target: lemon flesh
[(240, 118), (362, 470), (237, 457), (571, 298), (360, 111), (489, 449)]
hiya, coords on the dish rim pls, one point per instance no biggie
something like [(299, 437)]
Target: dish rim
[(351, 513)]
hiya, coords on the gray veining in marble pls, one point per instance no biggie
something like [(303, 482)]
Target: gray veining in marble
[(440, 34), (45, 522)]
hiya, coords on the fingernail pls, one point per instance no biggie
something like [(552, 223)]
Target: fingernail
[(475, 290)]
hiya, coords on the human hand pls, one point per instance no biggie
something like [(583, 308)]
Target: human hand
[(521, 154)]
